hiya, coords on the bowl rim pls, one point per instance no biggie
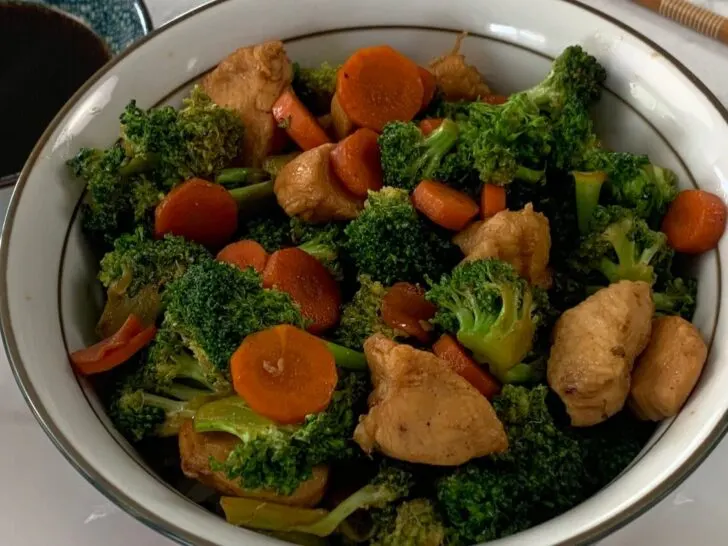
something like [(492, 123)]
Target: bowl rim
[(131, 506)]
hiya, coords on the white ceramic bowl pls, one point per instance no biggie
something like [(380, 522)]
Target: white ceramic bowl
[(49, 303)]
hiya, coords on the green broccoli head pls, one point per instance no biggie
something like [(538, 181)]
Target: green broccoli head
[(315, 87), (621, 246), (361, 317), (676, 297), (215, 305), (574, 75), (493, 312), (136, 272), (408, 157), (414, 523), (390, 242), (280, 457), (574, 138), (323, 242), (272, 231)]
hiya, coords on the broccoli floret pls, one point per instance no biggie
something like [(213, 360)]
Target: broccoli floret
[(390, 242), (408, 157), (390, 485), (323, 242), (493, 312), (676, 297), (315, 86), (136, 272), (281, 457), (575, 75), (214, 305), (197, 140), (272, 231), (621, 246), (574, 139), (362, 316), (414, 523), (540, 475)]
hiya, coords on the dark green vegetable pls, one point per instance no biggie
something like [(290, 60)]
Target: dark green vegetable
[(323, 242), (389, 241), (676, 297), (272, 231), (413, 523), (234, 177), (282, 457), (315, 87), (493, 312), (588, 186)]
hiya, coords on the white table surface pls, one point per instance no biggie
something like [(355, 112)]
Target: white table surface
[(44, 502)]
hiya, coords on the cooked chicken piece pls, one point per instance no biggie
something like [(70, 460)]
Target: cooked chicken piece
[(521, 238), (594, 349), (456, 79), (666, 373), (308, 188), (196, 448), (423, 412), (249, 81)]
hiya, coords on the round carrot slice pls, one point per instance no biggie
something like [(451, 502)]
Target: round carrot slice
[(405, 308), (309, 283), (356, 162), (199, 211), (695, 221), (377, 85), (244, 254), (284, 373)]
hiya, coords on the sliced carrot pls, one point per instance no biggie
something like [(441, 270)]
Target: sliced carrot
[(308, 282), (428, 125), (284, 373), (377, 85), (356, 162), (114, 350), (405, 308), (299, 123), (695, 221), (492, 200), (244, 254), (342, 125), (429, 85), (455, 355), (447, 207), (495, 99), (200, 211)]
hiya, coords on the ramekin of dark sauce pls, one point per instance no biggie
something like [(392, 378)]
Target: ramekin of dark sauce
[(45, 57)]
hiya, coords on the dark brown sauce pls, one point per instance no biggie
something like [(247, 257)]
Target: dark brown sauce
[(45, 56)]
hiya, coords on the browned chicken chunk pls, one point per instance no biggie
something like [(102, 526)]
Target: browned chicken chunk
[(456, 79), (308, 188), (666, 373), (521, 238), (594, 349), (249, 81), (196, 448), (422, 412)]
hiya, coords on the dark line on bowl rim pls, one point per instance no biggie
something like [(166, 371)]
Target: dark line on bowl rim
[(170, 530)]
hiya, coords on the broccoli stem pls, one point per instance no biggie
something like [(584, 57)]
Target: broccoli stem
[(267, 516), (175, 411), (249, 198), (139, 164), (347, 358), (236, 176), (437, 144), (320, 251), (234, 416), (628, 266), (587, 187), (529, 175), (274, 163)]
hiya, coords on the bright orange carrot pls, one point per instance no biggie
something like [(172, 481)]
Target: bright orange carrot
[(299, 123), (377, 85), (308, 282), (284, 373), (492, 200), (342, 125), (356, 162), (445, 206), (429, 85), (428, 125), (198, 210), (405, 308), (451, 352), (114, 350), (244, 254), (495, 99), (695, 221)]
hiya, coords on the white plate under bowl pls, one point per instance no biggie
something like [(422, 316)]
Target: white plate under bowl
[(48, 301)]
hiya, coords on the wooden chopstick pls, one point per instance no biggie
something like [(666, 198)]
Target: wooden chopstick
[(701, 20)]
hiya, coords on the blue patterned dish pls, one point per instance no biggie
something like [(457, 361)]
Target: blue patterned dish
[(118, 22)]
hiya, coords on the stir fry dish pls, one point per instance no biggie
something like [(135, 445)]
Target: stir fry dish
[(379, 303)]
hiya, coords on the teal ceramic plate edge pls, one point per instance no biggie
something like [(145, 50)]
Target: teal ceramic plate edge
[(119, 22)]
